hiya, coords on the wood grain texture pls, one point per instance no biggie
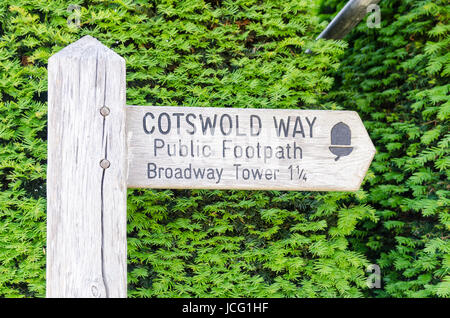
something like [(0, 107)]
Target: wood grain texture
[(86, 212), (307, 146)]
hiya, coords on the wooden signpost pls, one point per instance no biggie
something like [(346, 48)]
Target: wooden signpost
[(253, 149), (98, 147)]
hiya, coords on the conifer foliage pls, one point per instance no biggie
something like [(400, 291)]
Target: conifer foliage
[(246, 53), (397, 78)]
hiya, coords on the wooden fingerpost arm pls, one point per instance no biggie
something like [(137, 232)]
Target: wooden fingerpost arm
[(87, 172)]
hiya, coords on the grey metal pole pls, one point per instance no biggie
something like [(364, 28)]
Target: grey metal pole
[(350, 15)]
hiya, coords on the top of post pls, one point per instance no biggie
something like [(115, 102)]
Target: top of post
[(86, 47)]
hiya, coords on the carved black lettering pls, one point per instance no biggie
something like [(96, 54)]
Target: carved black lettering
[(145, 123), (238, 133), (222, 125), (178, 116), (255, 130), (190, 123), (282, 126), (311, 124), (160, 126), (298, 127), (208, 124)]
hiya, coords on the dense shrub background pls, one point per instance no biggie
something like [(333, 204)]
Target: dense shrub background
[(247, 53), (397, 78)]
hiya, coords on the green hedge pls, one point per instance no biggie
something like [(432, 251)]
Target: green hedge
[(397, 78), (248, 53)]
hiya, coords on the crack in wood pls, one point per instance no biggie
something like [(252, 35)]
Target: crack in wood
[(102, 215), (102, 251)]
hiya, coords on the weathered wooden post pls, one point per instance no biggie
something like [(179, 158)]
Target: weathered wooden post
[(87, 172)]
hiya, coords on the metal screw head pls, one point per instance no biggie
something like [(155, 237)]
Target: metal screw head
[(104, 163), (104, 111)]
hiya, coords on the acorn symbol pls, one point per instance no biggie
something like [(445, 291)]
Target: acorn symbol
[(341, 136)]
